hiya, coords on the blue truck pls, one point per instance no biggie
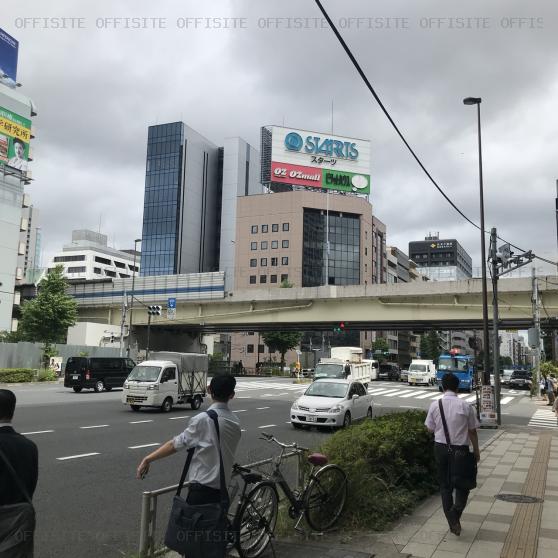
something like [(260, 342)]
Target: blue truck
[(460, 365)]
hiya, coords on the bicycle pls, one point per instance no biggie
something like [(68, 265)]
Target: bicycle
[(321, 501)]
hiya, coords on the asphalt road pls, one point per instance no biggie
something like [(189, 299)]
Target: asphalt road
[(88, 500)]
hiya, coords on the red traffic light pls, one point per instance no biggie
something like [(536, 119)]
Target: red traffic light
[(342, 325)]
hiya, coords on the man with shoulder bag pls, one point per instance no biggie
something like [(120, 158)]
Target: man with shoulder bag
[(18, 479), (198, 524), (454, 424)]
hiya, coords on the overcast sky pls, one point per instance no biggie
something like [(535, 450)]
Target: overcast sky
[(99, 87)]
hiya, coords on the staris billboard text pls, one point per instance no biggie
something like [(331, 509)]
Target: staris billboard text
[(319, 160), (15, 134)]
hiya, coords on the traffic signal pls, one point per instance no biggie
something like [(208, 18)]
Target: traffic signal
[(340, 328), (154, 310)]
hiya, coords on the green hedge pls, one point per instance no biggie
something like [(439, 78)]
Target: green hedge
[(14, 375), (47, 376), (390, 465)]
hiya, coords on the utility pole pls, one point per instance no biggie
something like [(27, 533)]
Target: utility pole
[(496, 349), (123, 321), (536, 345), (153, 310)]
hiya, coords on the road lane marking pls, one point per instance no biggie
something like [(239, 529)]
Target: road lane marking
[(139, 421), (96, 426), (285, 393), (471, 398), (267, 426), (413, 393), (376, 390), (144, 445), (240, 411), (261, 408), (429, 394), (506, 400), (243, 430), (37, 432), (178, 418), (77, 456), (463, 395), (397, 393), (385, 391), (438, 396), (408, 407), (242, 397)]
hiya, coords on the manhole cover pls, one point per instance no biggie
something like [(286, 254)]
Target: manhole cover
[(518, 498)]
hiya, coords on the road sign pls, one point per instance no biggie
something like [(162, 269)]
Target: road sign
[(171, 303), (171, 308)]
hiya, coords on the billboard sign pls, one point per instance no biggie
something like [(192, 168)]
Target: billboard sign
[(15, 134), (488, 407), (8, 59), (318, 160)]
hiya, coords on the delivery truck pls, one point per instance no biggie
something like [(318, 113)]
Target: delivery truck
[(167, 379), (334, 367)]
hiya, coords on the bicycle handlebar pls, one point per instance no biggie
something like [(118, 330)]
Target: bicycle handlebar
[(272, 438)]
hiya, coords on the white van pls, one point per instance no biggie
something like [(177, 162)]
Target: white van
[(422, 372)]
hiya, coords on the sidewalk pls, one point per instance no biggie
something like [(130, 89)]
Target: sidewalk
[(516, 461)]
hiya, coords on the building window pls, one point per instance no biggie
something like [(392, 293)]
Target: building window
[(285, 226), (263, 278), (253, 262), (76, 269), (263, 262), (366, 251), (264, 228), (273, 278), (250, 348), (284, 277), (253, 245), (284, 260), (274, 244), (261, 349), (252, 279), (120, 265), (284, 244), (274, 262), (275, 227), (97, 270), (110, 273), (59, 259), (133, 268), (102, 260), (263, 245), (254, 229)]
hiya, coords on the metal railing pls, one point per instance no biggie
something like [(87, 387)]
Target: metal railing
[(148, 521)]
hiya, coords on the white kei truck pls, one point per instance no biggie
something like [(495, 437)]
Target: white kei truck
[(422, 372), (361, 370), (167, 379)]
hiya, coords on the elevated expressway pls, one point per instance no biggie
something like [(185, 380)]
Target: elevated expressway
[(403, 306)]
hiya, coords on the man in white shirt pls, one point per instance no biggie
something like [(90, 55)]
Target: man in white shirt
[(203, 476), (462, 425)]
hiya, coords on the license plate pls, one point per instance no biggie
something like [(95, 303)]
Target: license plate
[(75, 377), (310, 419)]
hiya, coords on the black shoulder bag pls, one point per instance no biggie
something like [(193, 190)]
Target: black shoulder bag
[(462, 462), (17, 522), (199, 531)]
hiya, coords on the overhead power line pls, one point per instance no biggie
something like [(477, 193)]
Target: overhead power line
[(402, 137)]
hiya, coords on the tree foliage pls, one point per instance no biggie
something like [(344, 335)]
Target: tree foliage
[(282, 341), (47, 317), (379, 348), (430, 345)]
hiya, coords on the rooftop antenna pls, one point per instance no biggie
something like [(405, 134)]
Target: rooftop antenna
[(100, 221)]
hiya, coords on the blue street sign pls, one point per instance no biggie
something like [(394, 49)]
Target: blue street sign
[(171, 303)]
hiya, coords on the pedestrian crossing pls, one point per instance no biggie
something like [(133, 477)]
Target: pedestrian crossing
[(544, 418), (270, 385)]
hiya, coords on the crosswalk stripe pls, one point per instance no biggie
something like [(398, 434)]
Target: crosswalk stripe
[(472, 398), (506, 400), (462, 395), (436, 397), (376, 390), (413, 393), (429, 394), (397, 393), (386, 391), (544, 418)]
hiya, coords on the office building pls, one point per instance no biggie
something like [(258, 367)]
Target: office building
[(16, 111), (30, 239), (88, 257), (441, 260)]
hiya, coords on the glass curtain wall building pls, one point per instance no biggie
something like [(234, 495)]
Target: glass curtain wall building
[(343, 260), (162, 203)]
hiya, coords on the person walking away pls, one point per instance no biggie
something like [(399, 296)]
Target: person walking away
[(203, 475), (550, 390), (347, 369), (19, 466), (542, 386), (462, 424)]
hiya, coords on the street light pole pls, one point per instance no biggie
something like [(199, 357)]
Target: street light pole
[(486, 341), (133, 294)]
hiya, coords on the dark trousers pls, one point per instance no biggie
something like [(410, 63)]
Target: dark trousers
[(452, 508), (201, 494)]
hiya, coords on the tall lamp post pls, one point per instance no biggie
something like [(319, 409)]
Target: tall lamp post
[(133, 294), (485, 336)]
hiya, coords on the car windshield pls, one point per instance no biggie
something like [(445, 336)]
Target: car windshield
[(327, 389), (449, 363), (521, 374), (417, 368), (329, 371), (144, 374)]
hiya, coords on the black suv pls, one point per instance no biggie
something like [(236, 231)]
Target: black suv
[(389, 371), (520, 379), (102, 373)]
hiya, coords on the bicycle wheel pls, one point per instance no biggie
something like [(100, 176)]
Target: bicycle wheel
[(255, 522), (325, 497)]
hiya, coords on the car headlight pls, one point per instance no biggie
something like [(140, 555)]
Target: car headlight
[(154, 387), (126, 385), (294, 406), (336, 409)]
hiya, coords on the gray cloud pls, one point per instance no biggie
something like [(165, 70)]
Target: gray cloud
[(98, 89)]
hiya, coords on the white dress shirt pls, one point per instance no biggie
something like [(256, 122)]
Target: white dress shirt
[(202, 435), (460, 418)]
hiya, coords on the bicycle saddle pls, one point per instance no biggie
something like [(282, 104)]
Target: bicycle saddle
[(317, 459), (252, 478)]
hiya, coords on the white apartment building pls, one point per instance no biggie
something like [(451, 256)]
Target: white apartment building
[(89, 257)]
